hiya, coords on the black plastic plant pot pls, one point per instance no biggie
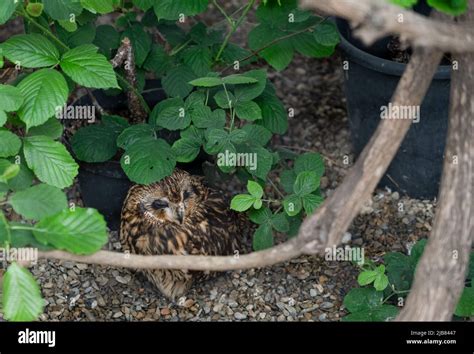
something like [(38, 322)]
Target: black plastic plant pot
[(104, 186), (370, 81)]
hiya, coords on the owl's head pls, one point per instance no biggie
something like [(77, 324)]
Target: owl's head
[(172, 200)]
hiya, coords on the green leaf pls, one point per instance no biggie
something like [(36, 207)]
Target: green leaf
[(257, 134), (31, 51), (8, 171), (262, 238), (306, 183), (400, 270), (198, 58), (7, 9), (44, 91), (82, 231), (50, 161), (381, 282), (237, 79), (68, 25), (306, 44), (223, 101), (203, 117), (11, 98), (23, 179), (280, 222), (417, 251), (172, 117), (25, 238), (94, 143), (360, 299), (287, 180), (255, 189), (207, 82), (3, 118), (311, 202), (144, 4), (62, 9), (141, 42), (450, 7), (106, 38), (186, 150), (312, 162), (176, 81), (10, 143), (135, 133), (465, 307), (52, 128), (242, 202), (248, 110), (377, 314), (172, 9), (274, 116), (404, 3), (83, 35), (292, 204), (326, 34), (216, 141), (158, 61), (260, 216), (88, 68), (35, 9), (148, 161), (39, 201), (98, 6), (21, 295), (366, 277), (264, 162), (248, 92)]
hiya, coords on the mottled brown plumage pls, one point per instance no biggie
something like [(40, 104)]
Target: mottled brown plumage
[(179, 215)]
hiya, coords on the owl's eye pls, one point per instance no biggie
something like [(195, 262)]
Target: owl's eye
[(186, 195), (159, 204)]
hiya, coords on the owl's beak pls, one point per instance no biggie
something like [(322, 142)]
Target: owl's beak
[(180, 213)]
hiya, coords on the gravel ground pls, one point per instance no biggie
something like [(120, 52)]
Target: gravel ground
[(305, 289)]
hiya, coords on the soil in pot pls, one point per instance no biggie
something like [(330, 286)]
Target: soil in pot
[(104, 186), (370, 81)]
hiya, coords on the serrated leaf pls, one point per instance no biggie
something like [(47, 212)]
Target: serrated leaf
[(8, 171), (238, 79), (83, 35), (144, 4), (62, 9), (94, 143), (23, 179), (311, 202), (306, 44), (224, 100), (106, 38), (135, 133), (98, 6), (207, 81), (248, 92), (39, 201), (274, 116), (158, 61), (260, 216), (292, 205), (44, 91), (248, 110), (306, 183), (88, 68), (176, 81), (255, 189), (280, 222), (21, 295), (7, 9), (263, 164), (174, 118), (360, 299), (186, 150), (381, 313), (198, 58), (172, 9), (148, 161), (203, 117), (3, 118), (287, 180), (242, 202), (326, 33), (51, 128), (216, 141), (11, 98), (366, 277), (31, 51), (381, 282), (310, 162), (50, 161), (82, 231), (257, 134), (10, 143), (262, 238)]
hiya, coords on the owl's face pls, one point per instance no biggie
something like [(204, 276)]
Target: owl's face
[(171, 200)]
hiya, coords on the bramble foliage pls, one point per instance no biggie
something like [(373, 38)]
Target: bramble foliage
[(386, 286), (215, 104), (450, 7)]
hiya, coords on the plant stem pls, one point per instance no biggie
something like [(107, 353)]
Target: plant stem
[(232, 111), (234, 26), (276, 188), (180, 48), (230, 20)]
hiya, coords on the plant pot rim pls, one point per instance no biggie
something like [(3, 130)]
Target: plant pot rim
[(382, 65)]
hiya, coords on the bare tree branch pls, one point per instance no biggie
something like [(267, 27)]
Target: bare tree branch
[(440, 275), (375, 19)]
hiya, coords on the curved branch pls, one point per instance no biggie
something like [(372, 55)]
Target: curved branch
[(375, 19), (440, 275)]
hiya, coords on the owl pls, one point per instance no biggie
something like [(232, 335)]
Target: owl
[(180, 216)]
